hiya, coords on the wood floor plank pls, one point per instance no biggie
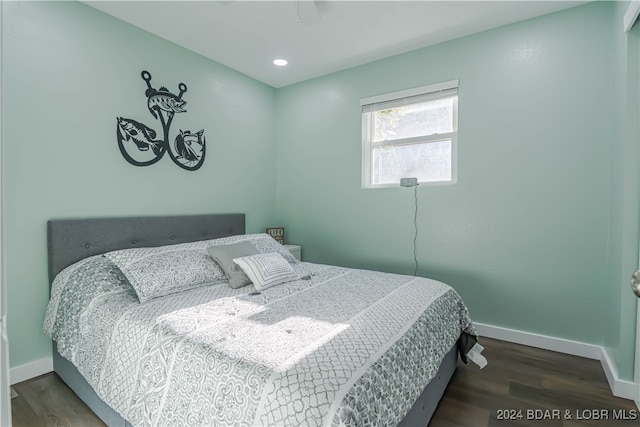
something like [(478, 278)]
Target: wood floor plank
[(22, 413), (533, 383), (52, 403), (518, 380)]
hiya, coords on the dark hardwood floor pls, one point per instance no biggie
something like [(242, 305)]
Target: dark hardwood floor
[(47, 401), (520, 387), (526, 386)]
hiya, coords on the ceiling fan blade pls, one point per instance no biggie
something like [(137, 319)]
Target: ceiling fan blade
[(307, 12)]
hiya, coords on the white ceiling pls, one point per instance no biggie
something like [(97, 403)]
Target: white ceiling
[(320, 37)]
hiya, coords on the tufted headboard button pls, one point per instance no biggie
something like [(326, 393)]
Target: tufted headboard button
[(87, 246), (133, 242), (172, 237)]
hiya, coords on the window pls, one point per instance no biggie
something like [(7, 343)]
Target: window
[(411, 133)]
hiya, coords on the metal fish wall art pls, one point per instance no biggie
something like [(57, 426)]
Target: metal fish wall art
[(139, 143)]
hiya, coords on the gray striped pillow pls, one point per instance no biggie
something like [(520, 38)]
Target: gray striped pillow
[(266, 270)]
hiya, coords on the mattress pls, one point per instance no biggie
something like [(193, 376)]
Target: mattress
[(334, 346)]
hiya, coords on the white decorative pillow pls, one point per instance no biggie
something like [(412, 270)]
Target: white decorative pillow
[(164, 270), (266, 270)]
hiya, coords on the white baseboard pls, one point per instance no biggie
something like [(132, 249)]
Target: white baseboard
[(30, 370), (620, 388), (531, 339)]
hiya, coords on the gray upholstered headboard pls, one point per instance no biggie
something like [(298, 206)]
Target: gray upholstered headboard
[(70, 240)]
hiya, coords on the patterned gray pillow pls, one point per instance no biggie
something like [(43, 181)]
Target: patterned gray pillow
[(224, 255), (265, 244), (164, 270)]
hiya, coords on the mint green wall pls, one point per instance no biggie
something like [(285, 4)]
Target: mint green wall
[(68, 71), (524, 234), (624, 208), (537, 235)]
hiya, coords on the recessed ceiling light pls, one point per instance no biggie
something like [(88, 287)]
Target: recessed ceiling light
[(280, 62)]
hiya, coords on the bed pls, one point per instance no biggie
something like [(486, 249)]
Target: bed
[(329, 345)]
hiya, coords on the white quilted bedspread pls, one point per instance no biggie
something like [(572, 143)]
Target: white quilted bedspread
[(347, 347)]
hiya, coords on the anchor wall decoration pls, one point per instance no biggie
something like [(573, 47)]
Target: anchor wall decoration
[(138, 142)]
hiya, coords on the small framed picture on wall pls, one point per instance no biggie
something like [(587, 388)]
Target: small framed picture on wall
[(277, 233)]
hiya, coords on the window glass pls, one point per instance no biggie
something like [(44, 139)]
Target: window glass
[(424, 118), (428, 162), (410, 134)]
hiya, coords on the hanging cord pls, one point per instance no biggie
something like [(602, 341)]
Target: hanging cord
[(415, 225)]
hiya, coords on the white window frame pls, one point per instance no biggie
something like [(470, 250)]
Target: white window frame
[(407, 97)]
